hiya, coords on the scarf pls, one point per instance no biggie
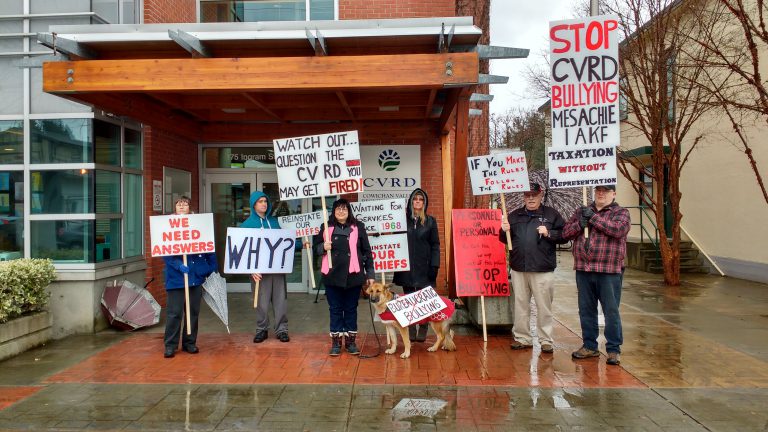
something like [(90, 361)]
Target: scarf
[(354, 262)]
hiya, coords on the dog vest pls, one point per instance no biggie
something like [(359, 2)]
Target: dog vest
[(438, 316)]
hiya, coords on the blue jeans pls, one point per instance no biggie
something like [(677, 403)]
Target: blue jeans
[(342, 302), (606, 288)]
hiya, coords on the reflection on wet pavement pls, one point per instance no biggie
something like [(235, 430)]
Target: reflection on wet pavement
[(695, 358)]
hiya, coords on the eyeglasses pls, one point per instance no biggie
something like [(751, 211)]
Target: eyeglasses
[(183, 204), (342, 209), (530, 194)]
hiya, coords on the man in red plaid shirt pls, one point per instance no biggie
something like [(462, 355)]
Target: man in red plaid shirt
[(599, 264)]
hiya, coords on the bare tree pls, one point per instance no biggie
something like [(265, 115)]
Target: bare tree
[(661, 75), (735, 41), (523, 129)]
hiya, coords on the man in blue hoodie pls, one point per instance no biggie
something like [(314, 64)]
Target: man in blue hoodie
[(272, 287)]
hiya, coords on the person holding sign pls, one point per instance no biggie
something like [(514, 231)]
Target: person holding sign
[(197, 269), (272, 287), (599, 264), (423, 253), (536, 230), (352, 268)]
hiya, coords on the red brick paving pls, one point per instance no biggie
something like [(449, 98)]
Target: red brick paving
[(235, 359), (9, 395)]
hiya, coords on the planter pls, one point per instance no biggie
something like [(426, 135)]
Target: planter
[(23, 333)]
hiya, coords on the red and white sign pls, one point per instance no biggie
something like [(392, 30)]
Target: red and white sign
[(390, 253), (305, 225), (479, 256), (499, 173), (417, 306), (584, 56), (581, 166), (318, 165), (181, 234)]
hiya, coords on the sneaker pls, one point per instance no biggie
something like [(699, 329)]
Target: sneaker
[(192, 349), (169, 352), (260, 337), (517, 345), (585, 352), (613, 359), (547, 348), (283, 337)]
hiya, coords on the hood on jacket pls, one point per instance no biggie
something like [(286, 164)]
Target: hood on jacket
[(254, 220), (409, 209)]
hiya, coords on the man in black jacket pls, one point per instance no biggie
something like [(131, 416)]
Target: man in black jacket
[(536, 230)]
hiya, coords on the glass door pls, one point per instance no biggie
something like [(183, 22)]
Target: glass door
[(267, 183), (227, 196)]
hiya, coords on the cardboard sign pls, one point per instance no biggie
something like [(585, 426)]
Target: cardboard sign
[(416, 306), (181, 234), (588, 166), (383, 216), (318, 165), (584, 62), (480, 261), (305, 224), (412, 407), (390, 253), (254, 250), (499, 173)]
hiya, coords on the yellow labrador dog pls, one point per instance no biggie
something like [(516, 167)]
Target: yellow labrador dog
[(440, 322)]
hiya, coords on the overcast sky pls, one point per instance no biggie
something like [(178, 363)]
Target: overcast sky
[(521, 24)]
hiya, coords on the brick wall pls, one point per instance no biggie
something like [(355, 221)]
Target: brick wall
[(169, 11), (373, 9), (164, 149), (432, 183)]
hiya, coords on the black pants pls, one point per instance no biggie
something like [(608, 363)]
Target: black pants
[(175, 323)]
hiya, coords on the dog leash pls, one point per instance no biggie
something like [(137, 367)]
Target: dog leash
[(376, 335)]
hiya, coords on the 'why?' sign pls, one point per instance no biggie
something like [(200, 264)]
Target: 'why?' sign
[(251, 250), (318, 165)]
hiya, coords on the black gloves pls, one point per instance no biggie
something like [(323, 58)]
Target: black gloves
[(432, 273), (587, 212), (583, 222)]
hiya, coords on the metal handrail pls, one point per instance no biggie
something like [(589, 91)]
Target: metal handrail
[(653, 239)]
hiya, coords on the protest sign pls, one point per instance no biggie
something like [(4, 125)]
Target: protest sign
[(584, 57), (391, 171), (480, 263), (390, 253), (305, 224), (181, 234), (498, 173), (588, 166), (382, 216), (250, 250), (416, 306), (318, 165)]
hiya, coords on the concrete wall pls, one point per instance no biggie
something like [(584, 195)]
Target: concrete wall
[(75, 303)]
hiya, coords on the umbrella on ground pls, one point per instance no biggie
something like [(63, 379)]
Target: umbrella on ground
[(215, 295), (128, 306), (564, 200)]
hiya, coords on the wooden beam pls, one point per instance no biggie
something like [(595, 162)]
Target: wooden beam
[(445, 146), (146, 110), (400, 131), (430, 103), (345, 105), (257, 101), (369, 72), (449, 107), (461, 149)]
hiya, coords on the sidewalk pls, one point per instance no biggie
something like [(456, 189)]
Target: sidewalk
[(695, 358)]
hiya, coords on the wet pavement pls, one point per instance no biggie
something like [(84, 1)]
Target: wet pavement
[(694, 358)]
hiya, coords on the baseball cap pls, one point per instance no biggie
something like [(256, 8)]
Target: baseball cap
[(609, 187)]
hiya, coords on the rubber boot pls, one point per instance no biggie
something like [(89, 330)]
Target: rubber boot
[(412, 333), (335, 345), (349, 344), (421, 335)]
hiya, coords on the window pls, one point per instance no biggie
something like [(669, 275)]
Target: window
[(11, 215), (11, 142), (177, 183), (82, 214), (266, 10)]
